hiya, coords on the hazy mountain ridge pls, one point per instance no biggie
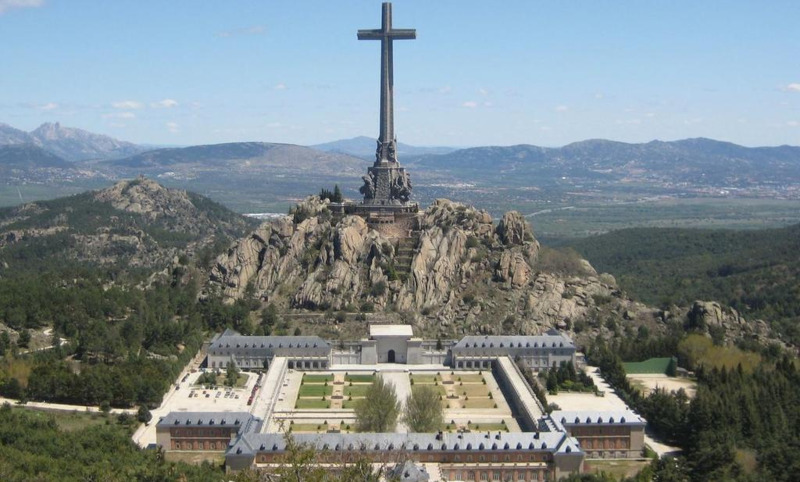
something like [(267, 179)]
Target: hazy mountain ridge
[(242, 154), (697, 161), (69, 143), (364, 147), (26, 156)]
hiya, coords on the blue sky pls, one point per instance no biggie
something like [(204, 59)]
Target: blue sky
[(479, 73)]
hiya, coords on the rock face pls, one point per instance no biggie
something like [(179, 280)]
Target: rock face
[(460, 273)]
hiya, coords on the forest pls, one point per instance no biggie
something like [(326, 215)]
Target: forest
[(755, 272), (743, 423)]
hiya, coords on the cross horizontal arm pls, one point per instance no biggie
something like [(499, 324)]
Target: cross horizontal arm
[(403, 34), (397, 34), (370, 34)]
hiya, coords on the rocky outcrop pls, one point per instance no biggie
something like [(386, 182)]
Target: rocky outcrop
[(465, 274), (145, 196), (134, 223)]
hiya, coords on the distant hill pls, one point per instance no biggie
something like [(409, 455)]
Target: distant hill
[(756, 272), (243, 155), (132, 224), (69, 143), (696, 161), (364, 147), (27, 156), (10, 135)]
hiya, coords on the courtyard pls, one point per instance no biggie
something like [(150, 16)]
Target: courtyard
[(324, 401)]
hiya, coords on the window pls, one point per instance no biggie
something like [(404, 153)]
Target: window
[(484, 475), (471, 475), (496, 475)]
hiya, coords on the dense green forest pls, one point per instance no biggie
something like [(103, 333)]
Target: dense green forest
[(742, 424), (130, 314), (755, 272), (35, 446)]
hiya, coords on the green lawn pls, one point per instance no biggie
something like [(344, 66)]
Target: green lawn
[(468, 378), (350, 404), (356, 390), (473, 390), (315, 390), (426, 378), (479, 403), (312, 403), (317, 378), (651, 366), (309, 427), (359, 378)]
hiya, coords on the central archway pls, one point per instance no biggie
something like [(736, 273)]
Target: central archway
[(391, 356)]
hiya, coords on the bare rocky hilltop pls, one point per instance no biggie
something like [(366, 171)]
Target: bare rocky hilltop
[(459, 273)]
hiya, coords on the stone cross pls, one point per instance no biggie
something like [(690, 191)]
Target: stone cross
[(387, 148)]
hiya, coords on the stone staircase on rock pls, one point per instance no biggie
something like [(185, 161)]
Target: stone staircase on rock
[(405, 254)]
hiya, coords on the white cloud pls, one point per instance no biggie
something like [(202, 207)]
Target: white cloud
[(561, 108), (164, 104), (793, 123), (599, 95), (6, 5), (793, 87), (275, 125), (628, 122), (279, 86), (48, 106), (240, 32), (173, 127), (650, 114), (127, 104), (483, 91), (445, 90), (120, 115), (696, 120), (470, 104), (488, 104)]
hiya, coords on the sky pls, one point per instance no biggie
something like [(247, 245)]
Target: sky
[(479, 73)]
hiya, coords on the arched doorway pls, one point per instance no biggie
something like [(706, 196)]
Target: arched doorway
[(391, 356)]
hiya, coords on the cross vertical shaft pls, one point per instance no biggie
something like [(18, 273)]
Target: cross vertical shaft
[(387, 150)]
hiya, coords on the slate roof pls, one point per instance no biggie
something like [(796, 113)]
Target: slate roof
[(232, 339), (558, 340), (554, 442), (245, 421), (595, 417)]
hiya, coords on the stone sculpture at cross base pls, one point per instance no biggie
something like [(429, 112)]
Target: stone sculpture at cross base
[(386, 185)]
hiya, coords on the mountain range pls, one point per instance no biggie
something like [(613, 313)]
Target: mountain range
[(69, 143), (262, 177), (364, 147)]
